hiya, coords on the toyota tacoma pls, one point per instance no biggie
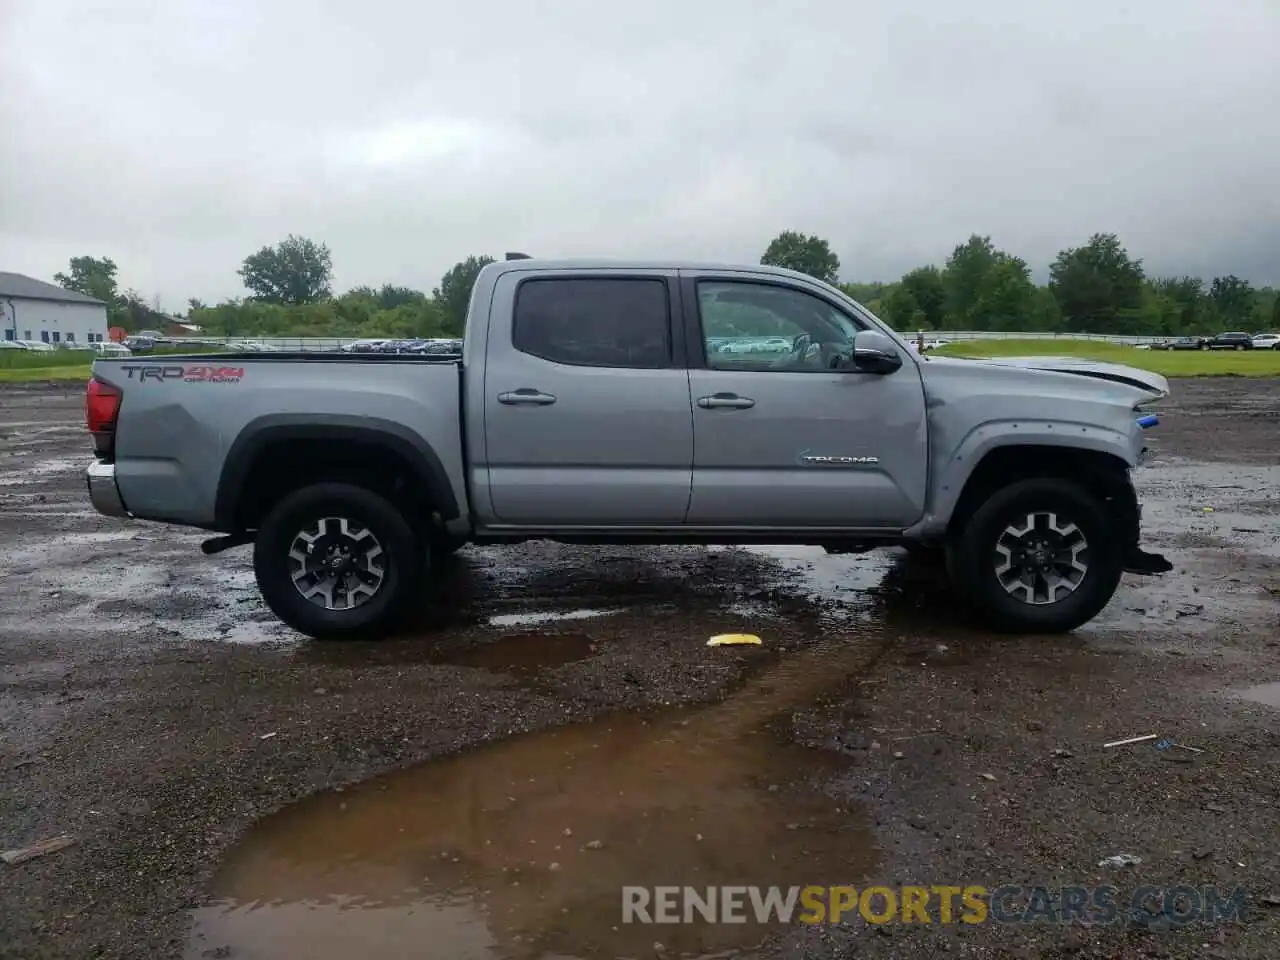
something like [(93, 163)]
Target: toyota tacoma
[(586, 406)]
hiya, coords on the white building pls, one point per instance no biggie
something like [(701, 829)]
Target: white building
[(34, 310)]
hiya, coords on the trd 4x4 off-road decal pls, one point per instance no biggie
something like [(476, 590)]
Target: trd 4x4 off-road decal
[(194, 374)]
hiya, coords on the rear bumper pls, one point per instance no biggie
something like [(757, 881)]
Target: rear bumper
[(104, 494)]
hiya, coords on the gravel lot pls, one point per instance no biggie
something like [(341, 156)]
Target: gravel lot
[(152, 709)]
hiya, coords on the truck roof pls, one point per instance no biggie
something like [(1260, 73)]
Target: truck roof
[(603, 263)]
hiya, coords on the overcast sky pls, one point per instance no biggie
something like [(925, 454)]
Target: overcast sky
[(177, 136)]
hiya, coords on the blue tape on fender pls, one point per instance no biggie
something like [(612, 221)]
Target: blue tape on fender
[(1149, 421)]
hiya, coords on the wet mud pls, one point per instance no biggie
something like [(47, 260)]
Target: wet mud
[(237, 791), (521, 848), (521, 654), (1266, 693)]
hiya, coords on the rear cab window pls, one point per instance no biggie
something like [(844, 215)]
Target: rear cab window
[(595, 321)]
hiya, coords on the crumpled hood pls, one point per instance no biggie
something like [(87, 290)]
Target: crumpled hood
[(1121, 373)]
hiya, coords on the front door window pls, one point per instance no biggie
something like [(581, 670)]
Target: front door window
[(762, 326)]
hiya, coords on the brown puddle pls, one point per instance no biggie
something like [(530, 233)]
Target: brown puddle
[(454, 859), (524, 653), (1267, 694)]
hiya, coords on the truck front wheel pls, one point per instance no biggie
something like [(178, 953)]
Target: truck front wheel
[(335, 560), (1039, 556)]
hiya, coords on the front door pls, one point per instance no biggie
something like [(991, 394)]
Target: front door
[(587, 415), (785, 435)]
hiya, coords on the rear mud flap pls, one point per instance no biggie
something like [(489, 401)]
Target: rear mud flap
[(1141, 562)]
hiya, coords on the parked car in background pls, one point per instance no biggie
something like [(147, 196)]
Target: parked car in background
[(37, 345), (431, 347), (1266, 341), (755, 345), (920, 345), (108, 349), (1231, 341), (1183, 343), (362, 346), (443, 347)]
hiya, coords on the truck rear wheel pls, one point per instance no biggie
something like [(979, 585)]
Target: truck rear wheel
[(1039, 556), (335, 560)]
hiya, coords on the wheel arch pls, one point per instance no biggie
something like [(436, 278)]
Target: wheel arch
[(276, 453), (1103, 474)]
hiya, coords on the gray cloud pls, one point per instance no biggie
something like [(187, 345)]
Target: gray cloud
[(179, 137)]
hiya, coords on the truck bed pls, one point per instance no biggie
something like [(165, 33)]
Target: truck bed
[(189, 424)]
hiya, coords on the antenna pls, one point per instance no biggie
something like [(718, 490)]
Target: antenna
[(518, 256)]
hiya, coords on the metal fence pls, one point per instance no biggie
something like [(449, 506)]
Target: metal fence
[(336, 343), (1032, 335), (297, 343)]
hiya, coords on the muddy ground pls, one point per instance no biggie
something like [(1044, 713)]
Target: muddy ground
[(555, 728)]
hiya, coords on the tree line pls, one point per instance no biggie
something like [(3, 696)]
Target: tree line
[(1093, 288), (291, 295)]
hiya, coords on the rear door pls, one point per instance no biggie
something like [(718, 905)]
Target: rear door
[(791, 437), (587, 416)]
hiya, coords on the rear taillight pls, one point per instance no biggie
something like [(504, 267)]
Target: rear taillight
[(101, 408)]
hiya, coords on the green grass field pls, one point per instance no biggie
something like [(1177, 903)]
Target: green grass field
[(21, 359), (1190, 363), (31, 366), (66, 371)]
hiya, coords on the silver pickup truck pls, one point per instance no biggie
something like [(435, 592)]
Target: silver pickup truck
[(615, 403)]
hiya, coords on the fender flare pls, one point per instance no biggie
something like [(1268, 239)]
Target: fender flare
[(260, 434), (955, 472)]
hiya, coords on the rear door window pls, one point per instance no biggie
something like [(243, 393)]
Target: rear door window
[(595, 321)]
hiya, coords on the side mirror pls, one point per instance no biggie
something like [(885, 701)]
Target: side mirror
[(873, 352)]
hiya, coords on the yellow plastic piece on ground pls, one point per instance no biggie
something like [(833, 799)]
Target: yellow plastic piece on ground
[(734, 640)]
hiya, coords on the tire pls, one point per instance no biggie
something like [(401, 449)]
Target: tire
[(973, 557), (341, 516)]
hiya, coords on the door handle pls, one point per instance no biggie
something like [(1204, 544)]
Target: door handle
[(725, 401), (526, 395)]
